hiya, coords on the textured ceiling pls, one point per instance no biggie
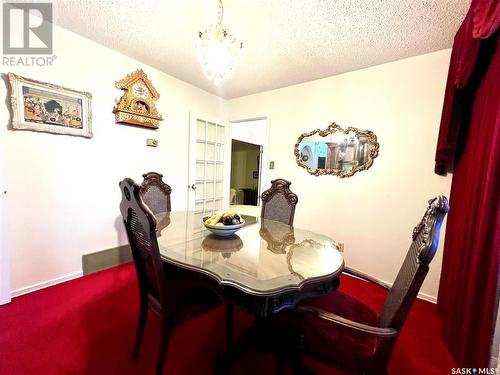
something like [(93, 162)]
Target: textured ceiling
[(284, 41)]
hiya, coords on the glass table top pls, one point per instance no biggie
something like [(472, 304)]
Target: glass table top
[(263, 257)]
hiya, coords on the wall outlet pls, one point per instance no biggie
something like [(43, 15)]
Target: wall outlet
[(152, 142), (340, 246)]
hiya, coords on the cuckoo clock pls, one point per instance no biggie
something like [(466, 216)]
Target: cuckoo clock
[(137, 106)]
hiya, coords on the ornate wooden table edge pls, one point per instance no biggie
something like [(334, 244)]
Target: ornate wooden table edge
[(263, 302)]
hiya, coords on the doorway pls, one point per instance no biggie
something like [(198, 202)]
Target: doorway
[(249, 143), (245, 173)]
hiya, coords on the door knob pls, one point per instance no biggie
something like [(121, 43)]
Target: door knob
[(193, 186)]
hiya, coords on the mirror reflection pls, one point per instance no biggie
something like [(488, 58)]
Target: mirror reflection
[(278, 236), (229, 245), (336, 151), (162, 221), (301, 254)]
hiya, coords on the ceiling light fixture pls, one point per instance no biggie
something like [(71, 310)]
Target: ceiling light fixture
[(217, 50)]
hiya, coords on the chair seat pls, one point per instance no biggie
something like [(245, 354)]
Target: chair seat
[(336, 343)]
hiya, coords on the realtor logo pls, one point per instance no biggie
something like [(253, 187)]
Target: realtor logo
[(27, 28)]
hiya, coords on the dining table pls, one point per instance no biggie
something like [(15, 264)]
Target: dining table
[(266, 267)]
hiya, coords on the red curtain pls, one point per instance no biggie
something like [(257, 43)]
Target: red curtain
[(469, 146)]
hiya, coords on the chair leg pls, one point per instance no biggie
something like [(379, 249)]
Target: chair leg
[(143, 317), (280, 363), (229, 324), (166, 329)]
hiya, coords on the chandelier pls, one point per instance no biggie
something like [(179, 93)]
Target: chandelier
[(217, 50)]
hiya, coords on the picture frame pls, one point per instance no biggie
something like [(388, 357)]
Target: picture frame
[(45, 107)]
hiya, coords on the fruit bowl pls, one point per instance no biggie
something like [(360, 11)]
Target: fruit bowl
[(224, 230), (223, 224)]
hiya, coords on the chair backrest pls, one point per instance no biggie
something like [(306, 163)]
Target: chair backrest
[(278, 202), (140, 225), (155, 193), (424, 244)]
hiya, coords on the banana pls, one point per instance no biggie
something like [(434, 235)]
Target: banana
[(214, 219)]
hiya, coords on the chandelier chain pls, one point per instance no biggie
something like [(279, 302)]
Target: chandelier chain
[(220, 14)]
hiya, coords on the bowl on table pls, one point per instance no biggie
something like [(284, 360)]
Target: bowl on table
[(222, 226)]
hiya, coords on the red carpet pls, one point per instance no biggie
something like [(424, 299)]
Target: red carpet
[(87, 326)]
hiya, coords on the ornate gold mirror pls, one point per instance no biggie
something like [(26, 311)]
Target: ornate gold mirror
[(337, 151)]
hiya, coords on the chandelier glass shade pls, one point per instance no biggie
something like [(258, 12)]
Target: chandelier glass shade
[(217, 50)]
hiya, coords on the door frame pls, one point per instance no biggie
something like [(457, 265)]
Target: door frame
[(264, 156)]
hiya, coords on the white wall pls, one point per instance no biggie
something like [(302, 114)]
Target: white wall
[(374, 211), (63, 193), (251, 131), (4, 255), (495, 346)]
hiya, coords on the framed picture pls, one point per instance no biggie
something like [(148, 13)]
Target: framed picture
[(44, 107)]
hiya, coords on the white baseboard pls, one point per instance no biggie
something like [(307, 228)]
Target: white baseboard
[(427, 297), (424, 296), (74, 275), (5, 300), (45, 284)]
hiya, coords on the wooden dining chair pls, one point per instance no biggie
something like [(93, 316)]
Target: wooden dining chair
[(155, 193), (342, 330), (170, 302), (278, 202)]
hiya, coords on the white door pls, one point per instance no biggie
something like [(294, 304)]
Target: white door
[(208, 165)]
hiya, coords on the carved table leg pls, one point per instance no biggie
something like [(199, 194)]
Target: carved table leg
[(267, 335), (225, 360)]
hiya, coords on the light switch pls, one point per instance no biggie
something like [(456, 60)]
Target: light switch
[(271, 165), (152, 142)]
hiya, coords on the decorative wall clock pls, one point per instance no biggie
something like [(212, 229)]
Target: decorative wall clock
[(137, 106)]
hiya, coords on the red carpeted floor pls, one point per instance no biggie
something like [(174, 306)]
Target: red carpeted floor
[(87, 326)]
